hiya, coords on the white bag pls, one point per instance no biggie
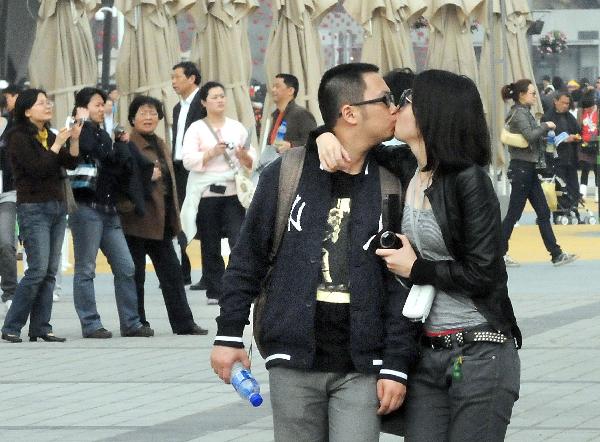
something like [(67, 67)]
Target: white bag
[(418, 303)]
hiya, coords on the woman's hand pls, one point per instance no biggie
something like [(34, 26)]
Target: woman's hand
[(332, 154), (550, 125), (156, 173), (399, 261), (61, 138), (244, 158), (76, 130)]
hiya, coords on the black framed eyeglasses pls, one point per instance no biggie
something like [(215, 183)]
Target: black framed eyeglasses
[(405, 98), (387, 99)]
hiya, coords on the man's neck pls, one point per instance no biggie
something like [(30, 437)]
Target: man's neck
[(357, 148), (184, 96), (281, 106)]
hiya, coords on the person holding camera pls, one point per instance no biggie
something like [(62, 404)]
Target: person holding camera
[(38, 157), (152, 233), (214, 149), (95, 225)]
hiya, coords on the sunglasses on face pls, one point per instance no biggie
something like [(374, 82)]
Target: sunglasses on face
[(405, 98), (387, 99)]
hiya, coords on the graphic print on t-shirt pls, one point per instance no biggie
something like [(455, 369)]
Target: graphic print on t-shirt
[(334, 263)]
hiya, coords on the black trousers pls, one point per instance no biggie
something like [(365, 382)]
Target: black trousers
[(181, 177), (219, 216), (168, 271)]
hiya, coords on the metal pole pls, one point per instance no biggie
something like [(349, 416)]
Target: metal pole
[(106, 43)]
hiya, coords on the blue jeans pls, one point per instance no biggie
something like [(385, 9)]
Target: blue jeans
[(93, 230), (42, 227), (8, 250), (526, 186)]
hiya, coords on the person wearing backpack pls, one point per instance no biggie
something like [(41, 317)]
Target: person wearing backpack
[(334, 339)]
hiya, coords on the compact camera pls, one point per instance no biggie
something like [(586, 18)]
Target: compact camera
[(71, 121), (118, 131), (229, 145)]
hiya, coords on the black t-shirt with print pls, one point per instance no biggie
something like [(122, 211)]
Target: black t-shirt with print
[(332, 322)]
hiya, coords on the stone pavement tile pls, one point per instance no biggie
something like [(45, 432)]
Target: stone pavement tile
[(87, 435), (26, 435), (579, 435), (525, 434), (235, 435)]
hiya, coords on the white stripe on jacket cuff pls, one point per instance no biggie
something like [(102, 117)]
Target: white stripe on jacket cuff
[(229, 339), (398, 374)]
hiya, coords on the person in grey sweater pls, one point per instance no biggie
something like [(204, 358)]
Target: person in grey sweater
[(522, 171)]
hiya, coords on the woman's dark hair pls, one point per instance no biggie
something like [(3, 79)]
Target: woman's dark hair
[(144, 100), (25, 101), (398, 80), (514, 90), (588, 99), (558, 83), (84, 96), (203, 93), (449, 115)]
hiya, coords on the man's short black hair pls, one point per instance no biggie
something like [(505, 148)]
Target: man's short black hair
[(340, 85), (290, 81), (12, 89), (144, 100), (84, 96), (190, 69)]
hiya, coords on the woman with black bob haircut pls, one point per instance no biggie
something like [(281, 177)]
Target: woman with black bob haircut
[(467, 379), (523, 171), (38, 156), (152, 232), (95, 225)]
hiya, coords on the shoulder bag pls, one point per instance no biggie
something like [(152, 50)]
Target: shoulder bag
[(511, 139)]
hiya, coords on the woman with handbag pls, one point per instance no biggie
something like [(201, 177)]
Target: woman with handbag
[(95, 225), (465, 384), (523, 171), (152, 233), (214, 151), (38, 157)]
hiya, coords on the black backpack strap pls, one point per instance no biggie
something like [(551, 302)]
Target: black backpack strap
[(391, 200)]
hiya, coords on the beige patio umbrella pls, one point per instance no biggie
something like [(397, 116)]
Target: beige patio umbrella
[(149, 50), (450, 42), (222, 50), (63, 59), (294, 47), (507, 52), (387, 42)]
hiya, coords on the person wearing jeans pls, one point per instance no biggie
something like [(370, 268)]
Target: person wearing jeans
[(95, 225), (38, 156), (8, 249)]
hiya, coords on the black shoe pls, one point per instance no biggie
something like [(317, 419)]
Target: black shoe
[(48, 337), (101, 333), (141, 332), (11, 338), (195, 330), (200, 285)]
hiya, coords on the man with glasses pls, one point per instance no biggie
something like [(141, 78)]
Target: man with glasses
[(336, 343)]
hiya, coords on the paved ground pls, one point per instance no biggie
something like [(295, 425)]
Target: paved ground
[(162, 388)]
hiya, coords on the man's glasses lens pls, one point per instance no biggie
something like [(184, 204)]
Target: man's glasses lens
[(388, 99)]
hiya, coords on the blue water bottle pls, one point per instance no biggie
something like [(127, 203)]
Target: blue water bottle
[(550, 140), (244, 383), (281, 131)]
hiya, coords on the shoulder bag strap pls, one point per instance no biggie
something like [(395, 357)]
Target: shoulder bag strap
[(225, 154)]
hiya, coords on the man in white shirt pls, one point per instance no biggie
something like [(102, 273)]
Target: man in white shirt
[(185, 79)]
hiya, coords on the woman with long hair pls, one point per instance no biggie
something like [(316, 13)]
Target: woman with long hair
[(467, 379), (38, 157), (213, 149), (523, 171)]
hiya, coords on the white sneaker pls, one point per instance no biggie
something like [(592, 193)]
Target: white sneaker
[(55, 297), (509, 262), (212, 301)]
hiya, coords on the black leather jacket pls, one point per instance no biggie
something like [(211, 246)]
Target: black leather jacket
[(466, 208)]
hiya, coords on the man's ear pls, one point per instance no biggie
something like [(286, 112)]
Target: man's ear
[(348, 113)]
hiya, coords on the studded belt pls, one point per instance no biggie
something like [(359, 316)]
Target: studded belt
[(463, 337)]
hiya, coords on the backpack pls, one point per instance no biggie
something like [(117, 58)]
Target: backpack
[(292, 162)]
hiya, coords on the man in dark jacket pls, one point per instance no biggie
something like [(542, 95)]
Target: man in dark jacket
[(337, 345), (185, 79), (299, 122), (566, 162)]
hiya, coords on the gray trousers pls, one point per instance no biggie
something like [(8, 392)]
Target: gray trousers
[(311, 406), (8, 249), (476, 408)]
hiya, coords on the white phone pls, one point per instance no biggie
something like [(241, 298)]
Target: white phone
[(69, 122)]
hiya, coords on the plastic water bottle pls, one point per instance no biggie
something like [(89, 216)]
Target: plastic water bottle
[(281, 131), (550, 148), (244, 383)]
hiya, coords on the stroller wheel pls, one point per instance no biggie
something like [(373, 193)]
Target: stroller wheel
[(573, 220), (592, 220), (563, 220)]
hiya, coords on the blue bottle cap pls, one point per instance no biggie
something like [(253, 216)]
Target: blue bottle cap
[(256, 399)]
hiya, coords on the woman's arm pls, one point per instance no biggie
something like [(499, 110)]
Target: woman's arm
[(522, 123)]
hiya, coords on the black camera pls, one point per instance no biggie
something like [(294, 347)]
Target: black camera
[(389, 240), (229, 145), (118, 131)]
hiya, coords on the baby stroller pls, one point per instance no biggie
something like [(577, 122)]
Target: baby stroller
[(564, 206)]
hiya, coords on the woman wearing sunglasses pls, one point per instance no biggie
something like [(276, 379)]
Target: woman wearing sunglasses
[(38, 156), (467, 379)]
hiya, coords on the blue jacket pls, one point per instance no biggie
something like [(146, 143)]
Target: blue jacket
[(383, 341)]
